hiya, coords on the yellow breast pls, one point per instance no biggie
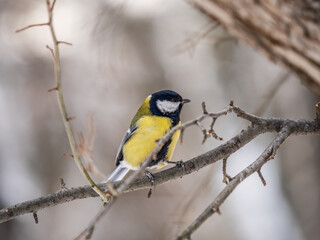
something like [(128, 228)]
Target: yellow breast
[(143, 141)]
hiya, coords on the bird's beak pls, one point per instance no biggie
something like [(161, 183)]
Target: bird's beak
[(185, 101)]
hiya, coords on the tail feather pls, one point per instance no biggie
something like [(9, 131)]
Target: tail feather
[(117, 174)]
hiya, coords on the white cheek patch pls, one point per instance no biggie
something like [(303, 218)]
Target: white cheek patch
[(167, 106)]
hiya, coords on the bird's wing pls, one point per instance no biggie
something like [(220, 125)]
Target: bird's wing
[(126, 137)]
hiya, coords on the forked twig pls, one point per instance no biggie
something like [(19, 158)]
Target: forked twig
[(254, 167), (55, 53)]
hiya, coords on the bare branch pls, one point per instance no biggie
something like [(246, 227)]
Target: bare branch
[(53, 89), (52, 55), (261, 177), (64, 42), (204, 107), (62, 107), (63, 184), (52, 5), (261, 125), (181, 136), (55, 53), (35, 217), (254, 167), (31, 26), (226, 178)]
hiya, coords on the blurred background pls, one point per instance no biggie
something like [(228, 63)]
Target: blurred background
[(123, 51)]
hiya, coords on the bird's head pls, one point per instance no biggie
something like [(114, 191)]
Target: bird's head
[(167, 103)]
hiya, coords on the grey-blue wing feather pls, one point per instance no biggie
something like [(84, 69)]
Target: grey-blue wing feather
[(126, 137)]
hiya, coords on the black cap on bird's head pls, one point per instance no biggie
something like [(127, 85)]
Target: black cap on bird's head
[(167, 103)]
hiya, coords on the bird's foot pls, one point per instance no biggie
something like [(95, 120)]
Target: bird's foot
[(179, 164), (151, 179)]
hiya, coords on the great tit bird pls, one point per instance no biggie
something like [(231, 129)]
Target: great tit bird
[(157, 115)]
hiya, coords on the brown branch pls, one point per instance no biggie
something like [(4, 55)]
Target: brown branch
[(31, 26), (261, 177), (261, 125), (53, 5), (63, 111), (254, 167), (55, 53), (226, 177), (204, 107), (53, 57), (64, 42), (181, 136), (52, 89), (35, 217)]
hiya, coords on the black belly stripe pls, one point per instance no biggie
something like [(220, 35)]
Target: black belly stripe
[(162, 154)]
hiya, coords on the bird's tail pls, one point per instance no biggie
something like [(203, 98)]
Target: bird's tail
[(117, 174)]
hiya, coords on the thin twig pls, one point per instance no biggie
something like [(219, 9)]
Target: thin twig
[(63, 184), (254, 167), (261, 177), (31, 26), (62, 107), (52, 89), (53, 5), (66, 120), (204, 107), (53, 57), (226, 178), (35, 217), (181, 136), (212, 132), (64, 42)]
